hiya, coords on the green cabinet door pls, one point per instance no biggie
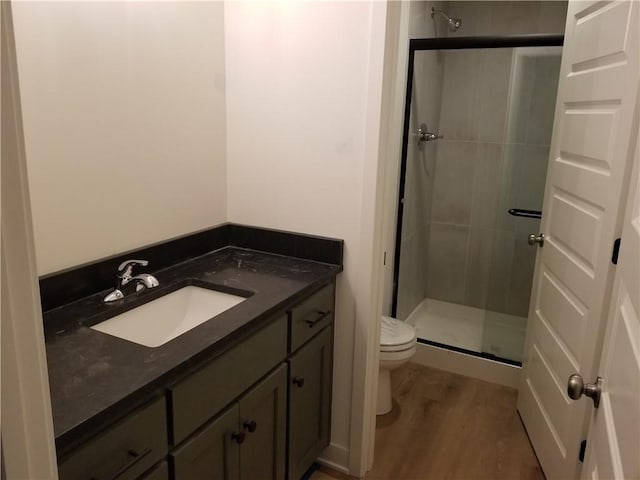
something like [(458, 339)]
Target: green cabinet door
[(263, 413), (247, 442), (212, 453), (309, 402), (160, 472)]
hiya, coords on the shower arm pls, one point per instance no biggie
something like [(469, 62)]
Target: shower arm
[(441, 13), (454, 23)]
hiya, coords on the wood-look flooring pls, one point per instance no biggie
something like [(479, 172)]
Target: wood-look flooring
[(447, 426)]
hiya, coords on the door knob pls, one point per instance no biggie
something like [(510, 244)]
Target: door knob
[(298, 382), (539, 239), (576, 388)]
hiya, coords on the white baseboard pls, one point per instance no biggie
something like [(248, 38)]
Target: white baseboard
[(468, 365), (335, 457)]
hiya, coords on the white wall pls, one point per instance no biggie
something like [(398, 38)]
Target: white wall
[(297, 85), (124, 120)]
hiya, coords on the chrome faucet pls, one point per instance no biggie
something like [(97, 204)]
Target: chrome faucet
[(125, 277)]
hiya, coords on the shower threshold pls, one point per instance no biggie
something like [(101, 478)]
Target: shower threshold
[(469, 330), (486, 355)]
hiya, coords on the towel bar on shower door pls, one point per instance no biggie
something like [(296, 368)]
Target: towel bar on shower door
[(519, 212)]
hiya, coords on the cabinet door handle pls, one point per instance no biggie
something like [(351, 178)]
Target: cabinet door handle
[(135, 458), (318, 316), (298, 382), (238, 437), (250, 425)]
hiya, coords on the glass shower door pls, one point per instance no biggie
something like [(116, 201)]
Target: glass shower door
[(529, 123), (465, 269)]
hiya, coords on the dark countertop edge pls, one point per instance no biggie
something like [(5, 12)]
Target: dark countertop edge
[(69, 440)]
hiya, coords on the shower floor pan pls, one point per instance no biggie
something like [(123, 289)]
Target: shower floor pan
[(470, 329)]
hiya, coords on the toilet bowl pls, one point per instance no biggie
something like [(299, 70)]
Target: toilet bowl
[(397, 346)]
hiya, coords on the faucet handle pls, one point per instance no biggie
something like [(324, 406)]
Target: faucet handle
[(125, 276), (126, 267)]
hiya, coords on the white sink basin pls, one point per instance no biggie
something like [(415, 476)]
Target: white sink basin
[(167, 317)]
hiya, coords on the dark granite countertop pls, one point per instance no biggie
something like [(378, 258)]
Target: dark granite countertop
[(96, 378)]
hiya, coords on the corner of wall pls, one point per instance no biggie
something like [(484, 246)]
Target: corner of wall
[(335, 457)]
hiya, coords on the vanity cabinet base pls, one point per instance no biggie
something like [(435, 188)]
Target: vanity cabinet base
[(259, 411)]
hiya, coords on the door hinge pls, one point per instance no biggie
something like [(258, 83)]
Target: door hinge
[(616, 251), (583, 448), (384, 259)]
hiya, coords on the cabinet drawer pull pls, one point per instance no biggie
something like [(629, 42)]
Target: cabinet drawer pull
[(319, 316), (135, 458), (238, 437), (298, 382), (250, 426)]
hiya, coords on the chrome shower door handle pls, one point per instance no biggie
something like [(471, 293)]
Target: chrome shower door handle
[(425, 136), (533, 239), (576, 388)]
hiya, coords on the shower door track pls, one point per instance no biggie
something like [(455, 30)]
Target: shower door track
[(449, 43), (453, 348)]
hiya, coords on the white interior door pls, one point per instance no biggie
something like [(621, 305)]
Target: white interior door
[(613, 443), (587, 178)]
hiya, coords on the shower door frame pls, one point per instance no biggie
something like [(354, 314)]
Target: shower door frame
[(449, 43)]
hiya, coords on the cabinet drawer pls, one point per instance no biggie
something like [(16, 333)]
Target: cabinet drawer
[(125, 451), (311, 316), (205, 393)]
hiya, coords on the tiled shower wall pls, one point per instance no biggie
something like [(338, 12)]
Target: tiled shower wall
[(508, 17), (458, 242)]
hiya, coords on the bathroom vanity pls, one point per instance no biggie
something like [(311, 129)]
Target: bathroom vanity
[(245, 395)]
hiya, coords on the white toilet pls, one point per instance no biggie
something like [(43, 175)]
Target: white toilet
[(397, 346)]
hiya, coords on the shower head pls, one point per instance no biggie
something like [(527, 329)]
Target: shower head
[(454, 23)]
